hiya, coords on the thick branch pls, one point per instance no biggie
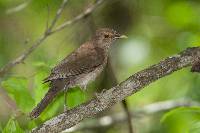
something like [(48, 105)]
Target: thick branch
[(137, 113), (124, 102), (49, 31), (126, 88)]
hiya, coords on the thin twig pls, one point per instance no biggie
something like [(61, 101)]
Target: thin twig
[(11, 104), (18, 7), (47, 33), (130, 86), (26, 53), (80, 16), (48, 14), (128, 115), (58, 13)]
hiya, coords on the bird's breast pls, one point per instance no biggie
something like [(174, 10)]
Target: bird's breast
[(84, 79)]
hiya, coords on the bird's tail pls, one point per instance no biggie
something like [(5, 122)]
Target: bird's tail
[(48, 98)]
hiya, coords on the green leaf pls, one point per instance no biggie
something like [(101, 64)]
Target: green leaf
[(181, 14), (42, 72), (181, 119), (180, 111), (1, 129), (195, 127), (31, 125), (12, 127), (17, 88), (75, 97), (53, 107), (40, 90)]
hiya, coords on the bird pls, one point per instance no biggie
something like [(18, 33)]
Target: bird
[(79, 68)]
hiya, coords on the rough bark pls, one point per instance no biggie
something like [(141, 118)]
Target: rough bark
[(107, 99)]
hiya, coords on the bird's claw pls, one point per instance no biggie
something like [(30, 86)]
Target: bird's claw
[(98, 95), (104, 90), (65, 108)]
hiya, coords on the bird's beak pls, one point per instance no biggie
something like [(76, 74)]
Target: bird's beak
[(121, 36)]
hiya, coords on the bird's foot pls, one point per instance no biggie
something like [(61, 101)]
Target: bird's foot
[(104, 90), (98, 95), (100, 98), (65, 108), (84, 88)]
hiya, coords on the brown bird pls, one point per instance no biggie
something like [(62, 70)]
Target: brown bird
[(80, 67)]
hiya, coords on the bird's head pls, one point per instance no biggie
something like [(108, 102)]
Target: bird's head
[(105, 36)]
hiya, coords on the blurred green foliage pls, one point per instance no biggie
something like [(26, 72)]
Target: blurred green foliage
[(75, 97), (156, 29), (182, 14), (187, 119), (17, 88), (12, 127)]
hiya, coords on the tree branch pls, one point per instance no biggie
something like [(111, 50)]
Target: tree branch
[(116, 94), (79, 17), (137, 113), (24, 55), (49, 31), (128, 115), (124, 102), (58, 13), (18, 7), (10, 102)]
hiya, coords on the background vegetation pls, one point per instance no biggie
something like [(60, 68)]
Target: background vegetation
[(156, 29)]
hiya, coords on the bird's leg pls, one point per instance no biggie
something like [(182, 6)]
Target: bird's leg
[(85, 91), (65, 98), (98, 95)]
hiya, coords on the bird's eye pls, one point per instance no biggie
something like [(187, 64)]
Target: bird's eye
[(106, 35)]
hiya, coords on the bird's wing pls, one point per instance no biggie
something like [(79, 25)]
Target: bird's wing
[(83, 60)]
